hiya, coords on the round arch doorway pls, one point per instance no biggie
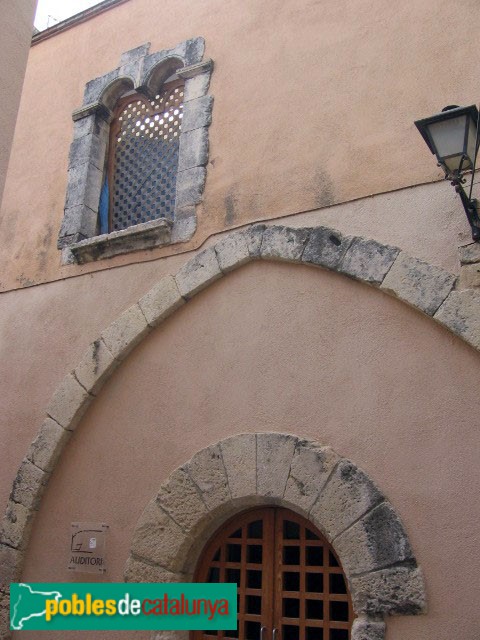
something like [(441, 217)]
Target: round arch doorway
[(290, 583)]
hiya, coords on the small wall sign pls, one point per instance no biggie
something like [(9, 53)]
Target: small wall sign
[(87, 547)]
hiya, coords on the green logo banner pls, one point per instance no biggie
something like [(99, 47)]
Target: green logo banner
[(65, 606)]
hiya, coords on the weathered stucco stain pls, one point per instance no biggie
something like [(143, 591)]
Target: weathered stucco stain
[(322, 187), (231, 207)]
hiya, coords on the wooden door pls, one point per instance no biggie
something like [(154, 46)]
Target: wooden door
[(291, 585)]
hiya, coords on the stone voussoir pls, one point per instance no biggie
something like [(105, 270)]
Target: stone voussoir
[(5, 633), (69, 403), (170, 635), (418, 283), (16, 525), (326, 248), (45, 450), (347, 496), (161, 301), (232, 251), (10, 566), (239, 456), (207, 470), (157, 538), (138, 571), (368, 260), (95, 367), (29, 485), (310, 469), (365, 629), (470, 253), (376, 541), (180, 498), (460, 313), (274, 458), (469, 277), (393, 591), (198, 273), (254, 239), (126, 332), (284, 243)]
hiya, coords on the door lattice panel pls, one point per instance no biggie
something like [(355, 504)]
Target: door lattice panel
[(288, 579), (145, 141), (311, 598)]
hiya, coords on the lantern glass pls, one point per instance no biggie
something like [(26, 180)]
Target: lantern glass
[(452, 136), (448, 137)]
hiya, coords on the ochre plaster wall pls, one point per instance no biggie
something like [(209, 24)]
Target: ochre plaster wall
[(314, 105), (295, 349), (16, 33), (45, 329)]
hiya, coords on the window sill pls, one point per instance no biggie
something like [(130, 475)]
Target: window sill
[(137, 238)]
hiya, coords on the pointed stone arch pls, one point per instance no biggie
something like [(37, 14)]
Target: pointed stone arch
[(429, 289), (280, 469)]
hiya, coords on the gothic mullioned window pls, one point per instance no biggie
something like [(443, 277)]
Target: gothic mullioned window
[(137, 164)]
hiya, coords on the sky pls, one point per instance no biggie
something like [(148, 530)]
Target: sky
[(49, 12)]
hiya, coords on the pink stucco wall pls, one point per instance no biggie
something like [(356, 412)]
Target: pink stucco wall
[(314, 109), (16, 32), (314, 105), (295, 349)]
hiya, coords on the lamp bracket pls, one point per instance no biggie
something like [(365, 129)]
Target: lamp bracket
[(470, 206)]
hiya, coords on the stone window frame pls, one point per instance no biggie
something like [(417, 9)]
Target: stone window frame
[(142, 72)]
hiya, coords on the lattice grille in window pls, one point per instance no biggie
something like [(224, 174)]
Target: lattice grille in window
[(144, 158)]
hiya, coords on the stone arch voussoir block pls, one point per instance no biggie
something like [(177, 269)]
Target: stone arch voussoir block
[(10, 566), (181, 499), (161, 301), (198, 273), (47, 447), (274, 458), (396, 590), (207, 471), (310, 469), (239, 457), (126, 332), (170, 635), (140, 571), (96, 366), (375, 541), (69, 403), (373, 549), (284, 243), (348, 495), (232, 251), (368, 629), (157, 538)]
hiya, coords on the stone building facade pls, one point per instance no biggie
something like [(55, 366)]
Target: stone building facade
[(295, 333)]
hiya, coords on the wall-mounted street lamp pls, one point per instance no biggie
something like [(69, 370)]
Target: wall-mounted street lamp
[(453, 136)]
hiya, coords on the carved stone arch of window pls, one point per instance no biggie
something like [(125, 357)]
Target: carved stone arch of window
[(80, 236), (282, 470), (159, 74)]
